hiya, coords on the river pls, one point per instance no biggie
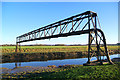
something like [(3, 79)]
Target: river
[(77, 61)]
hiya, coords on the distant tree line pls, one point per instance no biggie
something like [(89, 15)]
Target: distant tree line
[(56, 44)]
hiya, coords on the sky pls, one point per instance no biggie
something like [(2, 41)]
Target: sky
[(119, 21), (21, 17), (59, 0)]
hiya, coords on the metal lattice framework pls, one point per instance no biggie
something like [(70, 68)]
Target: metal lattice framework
[(85, 23)]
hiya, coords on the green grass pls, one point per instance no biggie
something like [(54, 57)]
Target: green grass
[(110, 72), (86, 72)]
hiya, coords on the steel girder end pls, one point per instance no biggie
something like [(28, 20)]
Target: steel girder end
[(88, 62), (111, 63)]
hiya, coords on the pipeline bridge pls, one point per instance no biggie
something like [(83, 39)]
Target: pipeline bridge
[(84, 23)]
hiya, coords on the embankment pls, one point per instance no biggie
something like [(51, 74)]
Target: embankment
[(26, 57)]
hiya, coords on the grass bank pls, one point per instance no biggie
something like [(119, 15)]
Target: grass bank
[(70, 72)]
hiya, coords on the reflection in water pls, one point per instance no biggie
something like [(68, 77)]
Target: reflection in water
[(17, 64)]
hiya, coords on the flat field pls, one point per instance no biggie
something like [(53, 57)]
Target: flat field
[(46, 49)]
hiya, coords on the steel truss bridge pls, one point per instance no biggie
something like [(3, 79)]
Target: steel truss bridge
[(84, 23)]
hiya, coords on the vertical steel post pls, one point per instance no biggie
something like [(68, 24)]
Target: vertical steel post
[(32, 36), (72, 24), (44, 33), (60, 27), (29, 36), (51, 31), (66, 28), (39, 34), (98, 52), (57, 30), (35, 35), (16, 50), (89, 41), (19, 48), (16, 47), (78, 24)]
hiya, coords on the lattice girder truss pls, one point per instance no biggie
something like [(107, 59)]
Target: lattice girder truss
[(85, 23)]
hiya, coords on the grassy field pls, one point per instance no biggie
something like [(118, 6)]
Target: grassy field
[(45, 49), (13, 47), (70, 72)]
